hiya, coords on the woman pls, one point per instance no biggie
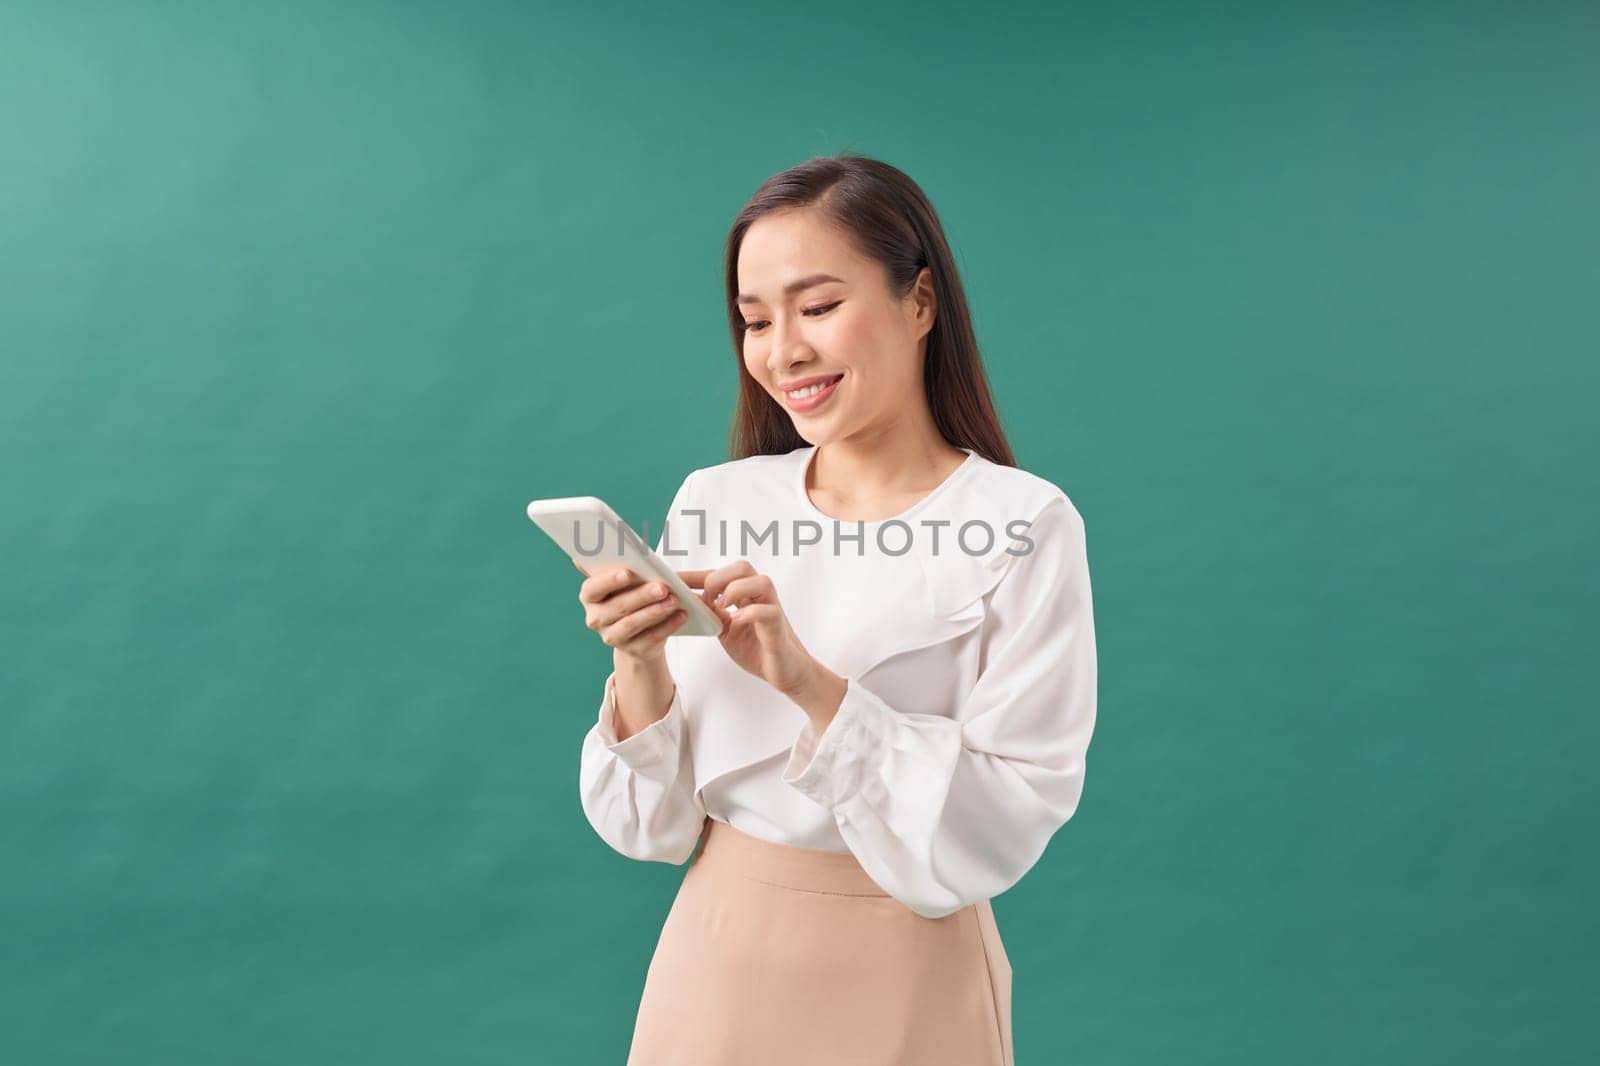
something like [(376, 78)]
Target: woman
[(894, 719)]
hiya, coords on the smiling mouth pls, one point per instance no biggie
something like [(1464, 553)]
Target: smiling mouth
[(814, 389), (811, 396)]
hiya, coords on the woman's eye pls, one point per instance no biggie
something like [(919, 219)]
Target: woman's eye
[(814, 312)]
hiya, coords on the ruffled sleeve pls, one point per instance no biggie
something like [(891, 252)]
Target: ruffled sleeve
[(639, 793), (945, 811)]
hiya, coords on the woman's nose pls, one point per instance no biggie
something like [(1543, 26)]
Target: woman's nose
[(787, 350)]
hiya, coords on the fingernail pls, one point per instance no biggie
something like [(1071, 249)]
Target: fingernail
[(622, 575), (658, 591)]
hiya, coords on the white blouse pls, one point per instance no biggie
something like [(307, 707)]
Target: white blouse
[(969, 659)]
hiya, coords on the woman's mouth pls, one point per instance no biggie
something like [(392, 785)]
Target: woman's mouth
[(802, 401)]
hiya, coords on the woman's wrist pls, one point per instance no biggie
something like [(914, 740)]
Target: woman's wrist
[(819, 695), (644, 692)]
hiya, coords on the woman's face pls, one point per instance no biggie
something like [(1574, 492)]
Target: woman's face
[(847, 331)]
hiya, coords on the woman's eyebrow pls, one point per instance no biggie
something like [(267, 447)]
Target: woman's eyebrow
[(791, 288)]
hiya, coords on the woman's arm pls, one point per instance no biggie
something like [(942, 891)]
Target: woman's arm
[(638, 791), (635, 777), (644, 694), (944, 812)]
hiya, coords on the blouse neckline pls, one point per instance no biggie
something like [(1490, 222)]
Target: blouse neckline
[(804, 466)]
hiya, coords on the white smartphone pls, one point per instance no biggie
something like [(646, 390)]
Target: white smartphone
[(595, 538)]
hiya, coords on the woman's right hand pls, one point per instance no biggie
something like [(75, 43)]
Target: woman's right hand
[(627, 612)]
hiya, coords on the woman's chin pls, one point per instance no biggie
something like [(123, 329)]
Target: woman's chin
[(818, 430)]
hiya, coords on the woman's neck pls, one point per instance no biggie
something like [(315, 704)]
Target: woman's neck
[(883, 475)]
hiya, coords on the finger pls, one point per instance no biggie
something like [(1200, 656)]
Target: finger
[(637, 599), (662, 629), (629, 626), (722, 616), (611, 580), (694, 578), (757, 614), (718, 579), (749, 590), (624, 603)]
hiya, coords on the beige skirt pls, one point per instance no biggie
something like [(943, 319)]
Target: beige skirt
[(778, 955)]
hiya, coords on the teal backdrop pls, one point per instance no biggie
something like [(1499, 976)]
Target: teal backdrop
[(301, 303)]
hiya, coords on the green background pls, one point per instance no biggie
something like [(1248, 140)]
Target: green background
[(300, 304)]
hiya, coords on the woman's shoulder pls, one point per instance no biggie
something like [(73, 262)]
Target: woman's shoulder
[(750, 465), (990, 486), (742, 479), (1021, 493)]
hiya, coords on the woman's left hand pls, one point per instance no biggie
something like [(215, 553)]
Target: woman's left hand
[(758, 637)]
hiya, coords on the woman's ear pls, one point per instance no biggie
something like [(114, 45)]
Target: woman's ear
[(923, 304)]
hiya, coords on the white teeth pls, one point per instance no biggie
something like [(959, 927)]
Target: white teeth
[(801, 394)]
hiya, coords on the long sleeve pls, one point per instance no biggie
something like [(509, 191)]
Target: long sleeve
[(639, 793), (944, 812)]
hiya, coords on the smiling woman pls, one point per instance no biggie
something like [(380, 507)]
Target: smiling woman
[(892, 724), (883, 313)]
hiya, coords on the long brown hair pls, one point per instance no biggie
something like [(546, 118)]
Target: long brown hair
[(889, 219)]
